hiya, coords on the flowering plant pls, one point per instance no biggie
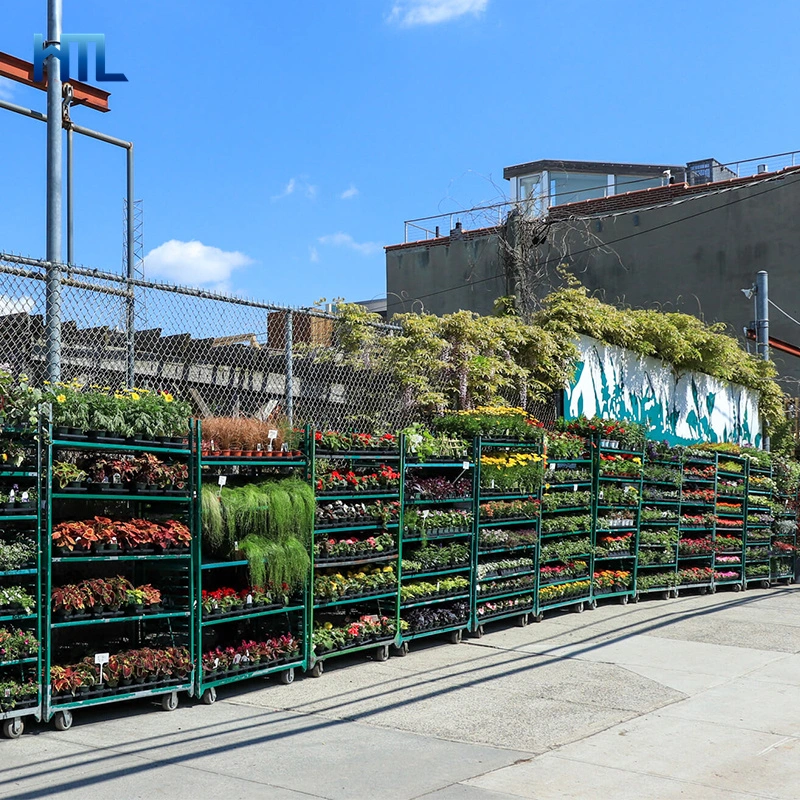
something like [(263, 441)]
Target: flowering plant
[(384, 478), (563, 591), (492, 422), (512, 472), (612, 580), (16, 644), (510, 509)]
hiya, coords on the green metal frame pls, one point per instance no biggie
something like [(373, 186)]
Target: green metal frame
[(521, 614), (749, 544), (778, 572), (34, 575), (202, 567), (657, 526), (52, 563), (624, 563), (312, 659)]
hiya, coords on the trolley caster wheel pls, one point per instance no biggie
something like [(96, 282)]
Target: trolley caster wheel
[(522, 621), (737, 587), (623, 601), (13, 728), (455, 636), (478, 632), (317, 670), (400, 651), (676, 593), (63, 720), (539, 618), (636, 598), (579, 608), (712, 589), (169, 702), (591, 605), (665, 595), (704, 590), (209, 696), (765, 584), (287, 676), (382, 653)]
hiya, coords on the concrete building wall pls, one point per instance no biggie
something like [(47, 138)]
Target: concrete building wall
[(693, 256)]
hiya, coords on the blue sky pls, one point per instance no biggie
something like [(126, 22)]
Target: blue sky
[(281, 145)]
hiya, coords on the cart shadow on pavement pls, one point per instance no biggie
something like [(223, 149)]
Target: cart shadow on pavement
[(294, 722)]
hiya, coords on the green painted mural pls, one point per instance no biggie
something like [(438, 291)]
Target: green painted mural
[(683, 408)]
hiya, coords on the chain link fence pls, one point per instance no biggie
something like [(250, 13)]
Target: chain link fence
[(225, 354)]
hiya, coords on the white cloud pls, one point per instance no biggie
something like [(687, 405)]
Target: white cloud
[(346, 240), (431, 12), (313, 254), (349, 194), (16, 305), (194, 263), (7, 88), (295, 185)]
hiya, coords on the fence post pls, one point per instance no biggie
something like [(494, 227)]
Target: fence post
[(289, 368), (130, 310), (54, 188)]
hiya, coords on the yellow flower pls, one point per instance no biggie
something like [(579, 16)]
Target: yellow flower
[(5, 456), (168, 398), (637, 460), (134, 396), (328, 626), (62, 398)]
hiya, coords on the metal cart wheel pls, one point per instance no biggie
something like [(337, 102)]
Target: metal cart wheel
[(704, 590), (623, 601), (592, 605), (63, 720), (666, 595), (317, 670), (287, 676), (478, 632), (13, 728), (523, 620), (676, 593), (382, 653), (455, 636), (400, 651), (765, 584), (169, 702), (636, 597), (539, 617), (209, 696), (737, 587), (579, 608)]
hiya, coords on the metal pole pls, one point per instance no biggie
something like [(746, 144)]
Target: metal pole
[(70, 202), (131, 302), (54, 190), (762, 322), (289, 367)]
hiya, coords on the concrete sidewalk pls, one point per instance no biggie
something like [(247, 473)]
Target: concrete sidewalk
[(697, 697)]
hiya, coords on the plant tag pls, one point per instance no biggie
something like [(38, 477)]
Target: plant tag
[(425, 513), (101, 659), (465, 465), (237, 658), (25, 497), (236, 545), (216, 663), (117, 480), (574, 487), (249, 599), (273, 434), (8, 693), (627, 488), (222, 480), (552, 466), (11, 496), (492, 483), (284, 448)]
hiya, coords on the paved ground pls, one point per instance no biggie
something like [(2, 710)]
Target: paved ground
[(691, 698)]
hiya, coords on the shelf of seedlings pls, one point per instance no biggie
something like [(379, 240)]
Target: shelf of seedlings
[(20, 586), (758, 521), (657, 560), (117, 557), (505, 580), (617, 504), (437, 543), (354, 595), (698, 505), (730, 550), (565, 552), (784, 528), (253, 565)]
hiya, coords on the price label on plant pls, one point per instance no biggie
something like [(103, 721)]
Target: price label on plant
[(222, 480), (273, 434), (465, 465), (237, 658), (249, 599), (552, 467), (574, 487)]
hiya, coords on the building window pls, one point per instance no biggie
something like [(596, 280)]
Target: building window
[(633, 183), (572, 187)]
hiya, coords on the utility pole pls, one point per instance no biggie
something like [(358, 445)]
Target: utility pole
[(54, 178), (762, 322)]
